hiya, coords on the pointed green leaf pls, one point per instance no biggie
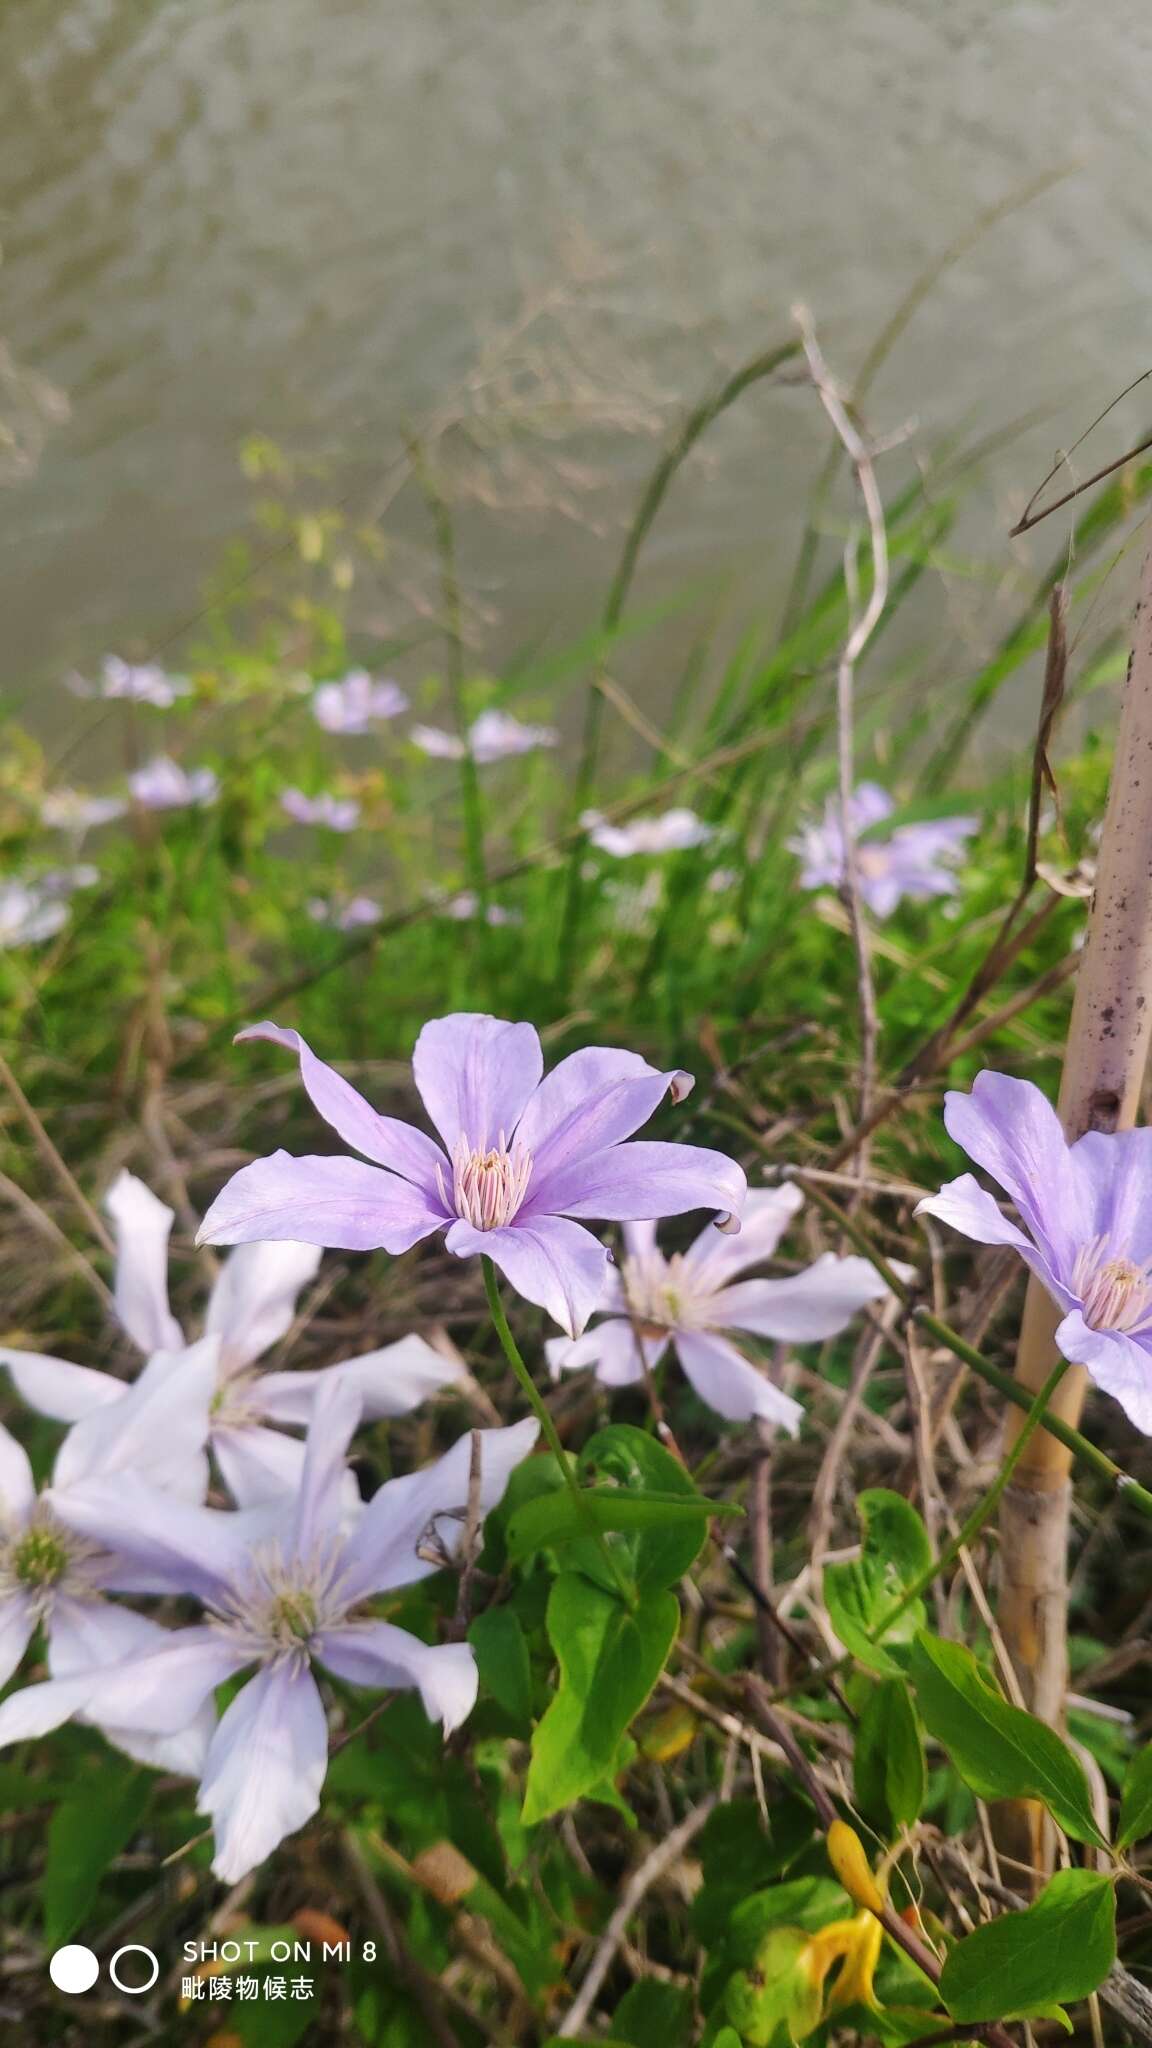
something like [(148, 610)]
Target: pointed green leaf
[(502, 1660), (1000, 1751), (87, 1830), (888, 1767), (1020, 1964), (556, 1518), (610, 1658), (895, 1550), (1136, 1801)]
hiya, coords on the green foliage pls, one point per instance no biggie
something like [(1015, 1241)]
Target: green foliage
[(895, 1550), (1024, 1964), (652, 2012), (1000, 1751), (87, 1830), (889, 1772), (1136, 1801)]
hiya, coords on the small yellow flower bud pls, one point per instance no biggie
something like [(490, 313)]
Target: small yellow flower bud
[(848, 1860)]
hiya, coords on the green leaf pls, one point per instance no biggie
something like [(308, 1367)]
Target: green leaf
[(888, 1768), (555, 1517), (1136, 1801), (502, 1661), (629, 1462), (87, 1830), (1000, 1751), (651, 2012), (610, 1658), (895, 1551), (1021, 1964)]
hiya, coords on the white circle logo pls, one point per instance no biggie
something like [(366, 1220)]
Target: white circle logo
[(133, 1948), (74, 1968)]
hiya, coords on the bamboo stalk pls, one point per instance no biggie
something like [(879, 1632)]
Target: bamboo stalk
[(1104, 1065)]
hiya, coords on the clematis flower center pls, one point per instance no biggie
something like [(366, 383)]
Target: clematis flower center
[(1115, 1293), (38, 1560), (488, 1187), (661, 1296), (281, 1604)]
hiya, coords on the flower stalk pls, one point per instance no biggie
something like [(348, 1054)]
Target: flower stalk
[(1104, 1066)]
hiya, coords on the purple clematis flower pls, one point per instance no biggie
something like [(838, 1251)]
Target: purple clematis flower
[(285, 1589), (162, 785), (349, 916), (142, 682), (917, 861), (251, 1306), (494, 736), (1087, 1215), (670, 833), (523, 1156), (54, 1579), (464, 907), (28, 916), (72, 810), (339, 813), (691, 1299), (355, 704)]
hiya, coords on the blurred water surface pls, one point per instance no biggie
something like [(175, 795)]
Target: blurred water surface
[(266, 214)]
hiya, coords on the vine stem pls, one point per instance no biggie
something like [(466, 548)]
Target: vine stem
[(983, 1511), (1004, 1382), (540, 1410)]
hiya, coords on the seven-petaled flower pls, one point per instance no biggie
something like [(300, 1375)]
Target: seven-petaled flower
[(251, 1306), (1086, 1209), (691, 1298), (917, 861), (524, 1156), (285, 1588)]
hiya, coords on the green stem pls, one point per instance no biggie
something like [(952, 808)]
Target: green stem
[(1088, 1453), (540, 1411), (981, 1513)]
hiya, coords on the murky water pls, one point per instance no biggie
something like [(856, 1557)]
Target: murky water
[(227, 215)]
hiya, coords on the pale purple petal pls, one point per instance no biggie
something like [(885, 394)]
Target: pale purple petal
[(434, 741), (159, 1426), (37, 1709), (53, 1387), (731, 1385), (1012, 1130), (265, 1768), (339, 814), (253, 1301), (257, 1464), (320, 1502), (611, 1348), (639, 1234), (380, 1553), (375, 1654), (17, 1486), (669, 833), (804, 1308), (497, 736), (638, 1180), (84, 1634), (158, 1544), (554, 1263), (163, 785), (17, 1625), (475, 1075), (383, 1139), (1118, 1364), (971, 1209), (1114, 1171), (715, 1258), (391, 1381), (592, 1099), (321, 1200), (159, 1693), (142, 1224)]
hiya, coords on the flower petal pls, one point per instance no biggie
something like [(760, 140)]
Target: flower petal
[(254, 1299), (17, 1625), (971, 1209), (265, 1769), (84, 1634), (381, 1552), (1012, 1130), (1117, 1363), (475, 1075), (594, 1098), (142, 1224), (159, 1693), (611, 1348), (320, 1200), (715, 1258), (550, 1261), (159, 1426), (391, 1381), (159, 1544), (804, 1308), (1114, 1170), (384, 1139), (731, 1384), (375, 1654), (53, 1387), (257, 1464), (639, 1180), (17, 1486), (320, 1501)]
